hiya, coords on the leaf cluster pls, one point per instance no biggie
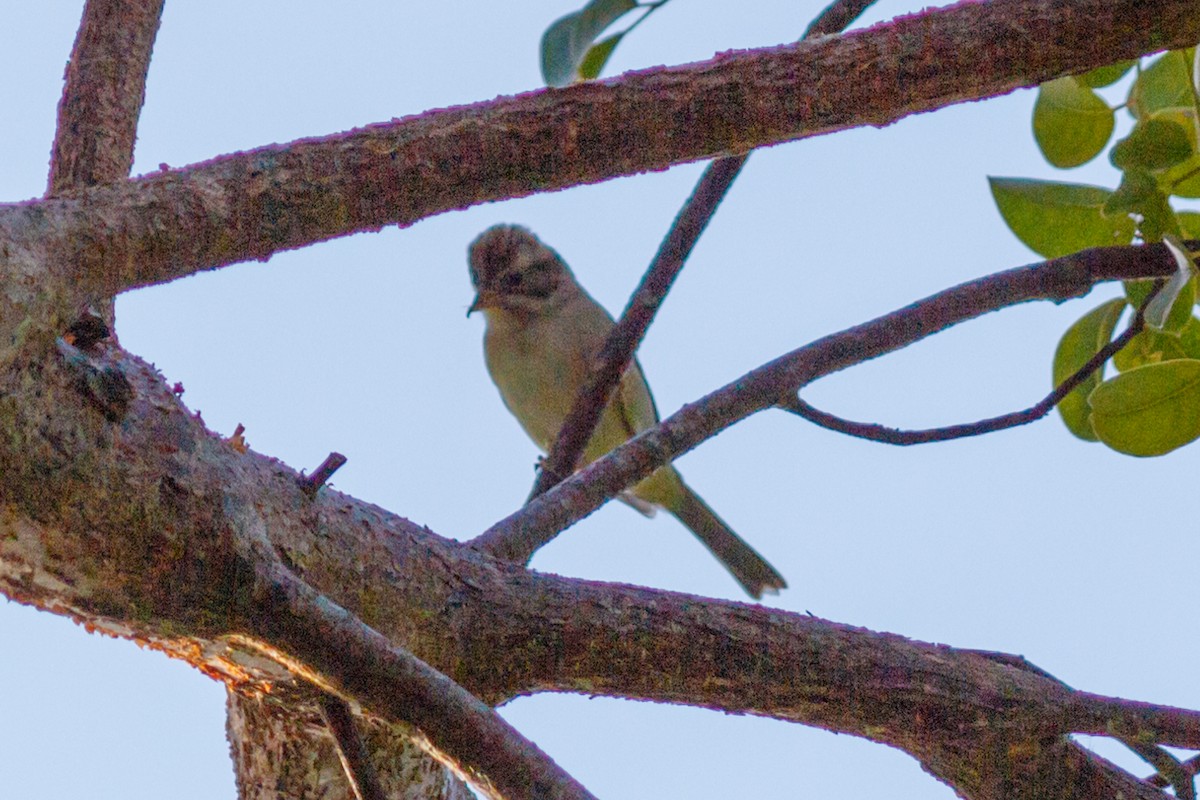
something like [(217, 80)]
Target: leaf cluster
[(1152, 405)]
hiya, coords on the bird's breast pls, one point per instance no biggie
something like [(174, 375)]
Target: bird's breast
[(538, 371)]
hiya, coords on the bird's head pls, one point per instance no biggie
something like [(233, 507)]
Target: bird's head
[(513, 272)]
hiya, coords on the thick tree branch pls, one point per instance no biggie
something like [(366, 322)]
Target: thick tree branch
[(105, 85), (103, 92), (303, 630), (131, 517), (136, 527), (253, 204), (776, 383)]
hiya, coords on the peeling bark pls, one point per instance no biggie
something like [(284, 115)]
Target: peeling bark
[(279, 753)]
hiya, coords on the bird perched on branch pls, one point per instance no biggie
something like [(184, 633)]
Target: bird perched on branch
[(543, 334)]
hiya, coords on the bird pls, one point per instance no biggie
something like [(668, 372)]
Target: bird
[(543, 332)]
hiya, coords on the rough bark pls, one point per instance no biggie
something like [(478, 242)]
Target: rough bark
[(278, 752), (103, 91), (252, 204), (119, 508), (134, 518)]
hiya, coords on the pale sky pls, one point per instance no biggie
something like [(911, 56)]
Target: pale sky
[(1027, 541)]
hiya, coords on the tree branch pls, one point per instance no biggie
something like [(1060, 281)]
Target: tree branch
[(879, 433), (136, 520), (836, 17), (630, 329), (1167, 766), (352, 750), (311, 484), (1188, 767), (253, 204), (103, 92), (306, 632), (776, 383), (281, 749), (137, 527)]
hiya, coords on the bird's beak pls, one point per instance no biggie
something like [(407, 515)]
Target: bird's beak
[(484, 298)]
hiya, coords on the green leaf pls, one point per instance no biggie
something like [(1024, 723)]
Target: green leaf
[(566, 43), (597, 56), (1183, 178), (1189, 223), (1149, 411), (1082, 341), (1189, 338), (558, 63), (1165, 83), (1154, 143), (1181, 309), (1071, 123), (1137, 189), (1054, 219), (1105, 76), (1178, 292), (1139, 194), (1152, 347)]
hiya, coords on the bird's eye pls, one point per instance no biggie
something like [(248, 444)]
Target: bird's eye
[(511, 280)]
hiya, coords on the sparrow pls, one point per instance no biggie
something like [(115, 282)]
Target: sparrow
[(542, 336)]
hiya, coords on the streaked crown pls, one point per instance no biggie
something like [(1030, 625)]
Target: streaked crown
[(512, 268)]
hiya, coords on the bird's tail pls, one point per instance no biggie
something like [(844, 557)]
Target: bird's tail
[(749, 568)]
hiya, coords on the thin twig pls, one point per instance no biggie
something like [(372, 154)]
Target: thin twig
[(879, 433), (582, 493), (643, 305), (625, 337), (631, 328), (352, 752), (836, 17)]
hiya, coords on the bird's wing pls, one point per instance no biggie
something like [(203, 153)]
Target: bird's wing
[(634, 407), (633, 402)]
